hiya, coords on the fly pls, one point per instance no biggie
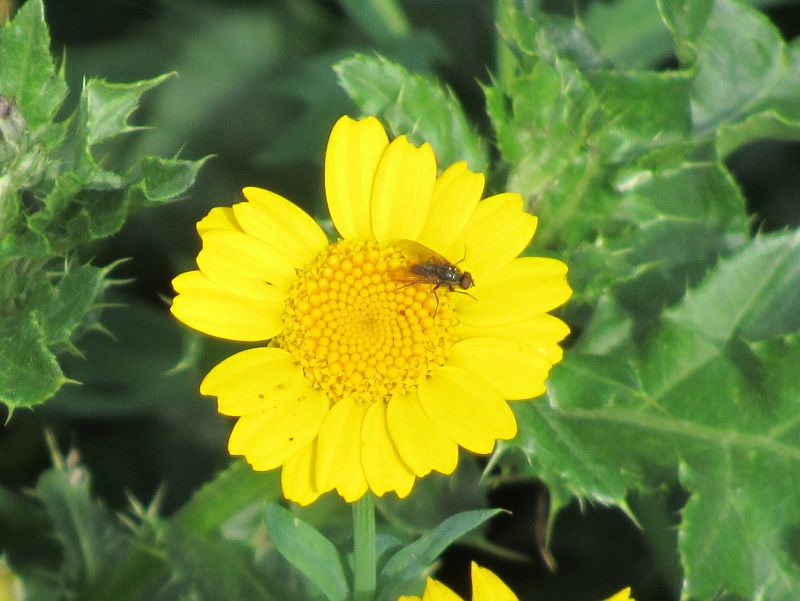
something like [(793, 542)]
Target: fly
[(429, 267)]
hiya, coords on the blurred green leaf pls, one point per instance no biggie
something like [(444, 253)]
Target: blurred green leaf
[(89, 537), (29, 372), (233, 488), (307, 550), (644, 44), (409, 563), (383, 20), (533, 35), (211, 569), (415, 105), (27, 71), (747, 81)]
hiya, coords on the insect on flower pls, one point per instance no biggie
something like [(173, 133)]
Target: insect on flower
[(429, 267)]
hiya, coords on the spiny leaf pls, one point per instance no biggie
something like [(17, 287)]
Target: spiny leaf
[(164, 179), (27, 72), (714, 392), (415, 105), (109, 105), (89, 537), (29, 372)]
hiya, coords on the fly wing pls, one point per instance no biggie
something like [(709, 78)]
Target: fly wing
[(419, 253)]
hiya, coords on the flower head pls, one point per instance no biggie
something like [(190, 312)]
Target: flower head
[(486, 586), (388, 348)]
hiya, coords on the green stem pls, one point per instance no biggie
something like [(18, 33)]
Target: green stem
[(364, 548)]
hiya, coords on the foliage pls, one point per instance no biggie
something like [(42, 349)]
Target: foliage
[(59, 192), (681, 372)]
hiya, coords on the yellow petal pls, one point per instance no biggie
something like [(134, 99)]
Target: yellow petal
[(623, 595), (339, 441), (354, 150), (436, 591), (253, 380), (218, 218), (499, 230), (234, 260), (467, 409), (455, 197), (297, 476), (421, 445), (206, 307), (515, 369), (526, 287), (486, 586), (339, 450), (281, 224), (383, 466), (542, 331), (402, 191), (270, 437)]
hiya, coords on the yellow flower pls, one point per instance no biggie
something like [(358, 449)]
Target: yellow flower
[(485, 587), (373, 378)]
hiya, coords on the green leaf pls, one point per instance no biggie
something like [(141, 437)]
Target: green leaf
[(108, 106), (754, 295), (27, 72), (382, 20), (211, 568), (29, 373), (230, 490), (542, 120), (307, 550), (415, 105), (89, 538), (568, 462), (748, 80), (641, 110), (163, 179), (646, 44), (735, 527), (712, 392), (411, 561), (533, 36), (63, 306), (679, 222)]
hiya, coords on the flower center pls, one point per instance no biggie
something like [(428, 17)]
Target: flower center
[(358, 333)]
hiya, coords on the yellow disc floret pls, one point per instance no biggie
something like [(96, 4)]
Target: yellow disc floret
[(359, 333)]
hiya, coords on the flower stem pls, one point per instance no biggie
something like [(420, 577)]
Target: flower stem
[(364, 548)]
